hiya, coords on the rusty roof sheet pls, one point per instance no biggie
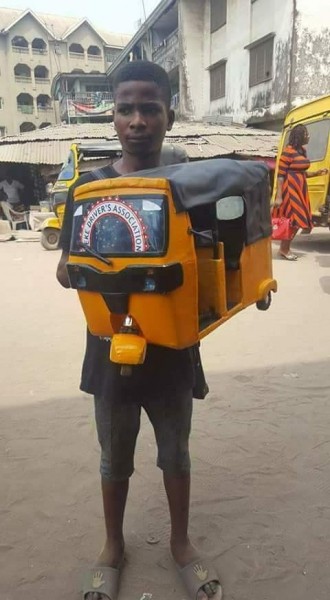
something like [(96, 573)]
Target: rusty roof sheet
[(50, 146)]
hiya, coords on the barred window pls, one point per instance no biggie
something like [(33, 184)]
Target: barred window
[(261, 62), (218, 81), (218, 14)]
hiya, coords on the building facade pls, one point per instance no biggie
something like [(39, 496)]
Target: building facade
[(34, 48), (243, 61)]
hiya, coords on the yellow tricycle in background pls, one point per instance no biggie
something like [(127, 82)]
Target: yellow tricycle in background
[(166, 256), (74, 167), (315, 116)]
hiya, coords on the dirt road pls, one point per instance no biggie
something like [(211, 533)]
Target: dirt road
[(260, 445)]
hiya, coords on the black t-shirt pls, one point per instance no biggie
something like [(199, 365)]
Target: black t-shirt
[(164, 369)]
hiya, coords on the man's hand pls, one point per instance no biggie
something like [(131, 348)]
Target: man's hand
[(61, 273)]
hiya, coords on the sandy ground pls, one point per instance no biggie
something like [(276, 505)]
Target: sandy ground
[(260, 445)]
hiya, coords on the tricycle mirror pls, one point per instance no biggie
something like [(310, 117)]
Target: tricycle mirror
[(230, 208)]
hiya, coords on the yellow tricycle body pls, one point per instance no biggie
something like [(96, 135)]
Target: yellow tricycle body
[(157, 261)]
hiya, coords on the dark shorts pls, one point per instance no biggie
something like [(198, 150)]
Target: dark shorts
[(118, 424)]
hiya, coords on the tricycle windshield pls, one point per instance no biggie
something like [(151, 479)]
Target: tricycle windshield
[(68, 169), (120, 225)]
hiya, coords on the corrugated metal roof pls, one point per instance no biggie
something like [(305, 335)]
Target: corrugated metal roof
[(44, 153), (50, 146)]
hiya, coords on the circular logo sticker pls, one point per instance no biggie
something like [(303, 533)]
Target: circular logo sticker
[(114, 207)]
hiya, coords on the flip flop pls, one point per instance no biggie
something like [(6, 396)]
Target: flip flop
[(102, 580), (197, 576), (289, 256)]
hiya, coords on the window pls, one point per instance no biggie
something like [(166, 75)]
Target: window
[(94, 52), (218, 81), (261, 61), (68, 168), (26, 126), (218, 14), (76, 50), (39, 46), (319, 132), (1, 103), (2, 131), (121, 226), (19, 44), (41, 73), (22, 73), (111, 55)]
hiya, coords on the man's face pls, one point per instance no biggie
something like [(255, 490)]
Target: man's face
[(141, 117)]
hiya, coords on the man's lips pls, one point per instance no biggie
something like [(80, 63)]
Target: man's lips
[(138, 138)]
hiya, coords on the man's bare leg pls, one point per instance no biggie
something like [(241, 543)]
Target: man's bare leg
[(114, 501), (178, 494)]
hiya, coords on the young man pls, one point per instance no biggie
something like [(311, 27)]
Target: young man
[(162, 385), (12, 189)]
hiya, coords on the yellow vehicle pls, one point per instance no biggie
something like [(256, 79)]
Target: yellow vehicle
[(315, 116), (73, 168), (69, 173), (167, 255)]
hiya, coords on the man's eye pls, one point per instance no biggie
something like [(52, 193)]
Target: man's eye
[(151, 110), (124, 110)]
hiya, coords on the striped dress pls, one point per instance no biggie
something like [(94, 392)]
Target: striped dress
[(295, 206)]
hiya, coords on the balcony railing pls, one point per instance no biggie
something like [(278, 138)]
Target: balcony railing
[(44, 108), (78, 55), (39, 51), (27, 109), (90, 97), (42, 80), (167, 54), (95, 57), (20, 49), (23, 79)]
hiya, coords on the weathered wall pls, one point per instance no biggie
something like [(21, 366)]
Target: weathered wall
[(194, 45), (247, 23), (6, 119), (312, 53)]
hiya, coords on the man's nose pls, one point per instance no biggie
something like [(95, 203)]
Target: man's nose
[(137, 119)]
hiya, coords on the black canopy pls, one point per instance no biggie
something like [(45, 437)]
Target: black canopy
[(204, 182)]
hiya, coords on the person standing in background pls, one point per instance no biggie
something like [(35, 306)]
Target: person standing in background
[(292, 199), (12, 189)]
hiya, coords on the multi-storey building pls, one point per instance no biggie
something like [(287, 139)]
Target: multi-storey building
[(34, 48), (246, 61)]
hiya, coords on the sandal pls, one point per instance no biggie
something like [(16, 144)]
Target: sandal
[(102, 580), (197, 576), (289, 256)]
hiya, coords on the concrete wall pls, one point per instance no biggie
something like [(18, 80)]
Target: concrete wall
[(301, 61), (194, 48), (5, 111), (312, 55), (247, 23)]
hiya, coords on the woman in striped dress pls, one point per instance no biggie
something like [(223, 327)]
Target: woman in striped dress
[(292, 199)]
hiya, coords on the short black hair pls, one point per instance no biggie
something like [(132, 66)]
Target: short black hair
[(144, 70)]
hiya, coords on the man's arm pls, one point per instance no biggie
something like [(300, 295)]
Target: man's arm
[(61, 271), (65, 238)]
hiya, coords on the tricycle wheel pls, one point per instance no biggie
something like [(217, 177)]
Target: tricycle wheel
[(50, 238), (265, 303)]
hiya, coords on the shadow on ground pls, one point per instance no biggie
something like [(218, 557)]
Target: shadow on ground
[(260, 493)]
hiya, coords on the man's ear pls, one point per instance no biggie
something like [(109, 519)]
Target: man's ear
[(171, 119)]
